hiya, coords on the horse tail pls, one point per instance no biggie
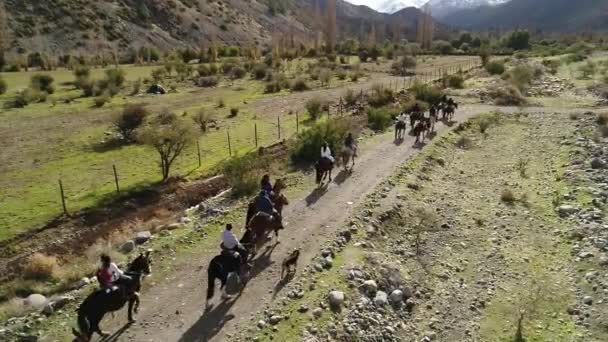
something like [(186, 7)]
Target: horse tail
[(212, 273), (250, 212), (319, 172)]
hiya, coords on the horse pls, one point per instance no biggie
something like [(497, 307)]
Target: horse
[(348, 154), (260, 225), (323, 169), (400, 127), (448, 111), (225, 263), (420, 129), (100, 302)]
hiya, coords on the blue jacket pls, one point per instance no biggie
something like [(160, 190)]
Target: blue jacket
[(263, 203)]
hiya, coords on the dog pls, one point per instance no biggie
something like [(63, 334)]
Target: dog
[(289, 261)]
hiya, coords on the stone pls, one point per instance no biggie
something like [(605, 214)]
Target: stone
[(327, 262), (35, 301), (370, 286), (173, 226), (317, 312), (185, 220), (61, 301), (566, 209), (142, 237), (48, 309), (603, 260), (336, 299), (597, 163), (83, 282), (261, 324), (381, 298), (588, 300), (127, 247), (274, 320), (396, 296), (303, 308)]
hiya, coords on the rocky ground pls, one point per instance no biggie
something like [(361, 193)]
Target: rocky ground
[(477, 233)]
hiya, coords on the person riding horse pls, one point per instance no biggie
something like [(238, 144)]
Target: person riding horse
[(326, 152), (110, 277), (416, 114), (265, 207), (231, 245), (266, 185), (349, 142)]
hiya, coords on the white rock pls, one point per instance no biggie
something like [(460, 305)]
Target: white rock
[(142, 237), (127, 247), (396, 296), (370, 286), (381, 298), (35, 301), (336, 298)]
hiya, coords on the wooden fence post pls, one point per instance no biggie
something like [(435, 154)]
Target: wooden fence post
[(255, 131), (65, 210), (198, 152), (279, 126), (229, 145), (116, 176), (297, 123)]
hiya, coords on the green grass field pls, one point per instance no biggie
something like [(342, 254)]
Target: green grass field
[(45, 142)]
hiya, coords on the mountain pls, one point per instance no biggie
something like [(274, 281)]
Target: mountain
[(549, 15), (59, 27), (442, 8)]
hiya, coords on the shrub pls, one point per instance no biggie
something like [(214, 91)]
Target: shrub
[(233, 112), (204, 70), (350, 98), (40, 267), (272, 87), (131, 118), (3, 86), (43, 83), (343, 60), (202, 118), (243, 173), (602, 119), (427, 93), (380, 96), (238, 72), (455, 81), (158, 74), (299, 85), (82, 71), (355, 75), (507, 196), (309, 142), (325, 76), (552, 64), (207, 82), (221, 103), (115, 77), (587, 70), (101, 100), (341, 74), (495, 68), (464, 142), (136, 87), (28, 96), (259, 71), (314, 107), (381, 118), (227, 67), (401, 66), (507, 95), (521, 76)]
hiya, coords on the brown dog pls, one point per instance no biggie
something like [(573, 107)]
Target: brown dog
[(289, 261)]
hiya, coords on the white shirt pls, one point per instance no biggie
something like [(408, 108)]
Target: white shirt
[(115, 272), (229, 239), (401, 117), (325, 153)]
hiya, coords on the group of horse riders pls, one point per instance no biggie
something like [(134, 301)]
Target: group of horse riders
[(421, 124)]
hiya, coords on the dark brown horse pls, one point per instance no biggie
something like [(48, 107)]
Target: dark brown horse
[(97, 304), (420, 130), (260, 224), (400, 127), (323, 169)]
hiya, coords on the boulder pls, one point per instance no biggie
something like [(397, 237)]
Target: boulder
[(588, 300), (127, 247), (566, 210), (35, 301), (336, 299), (370, 286), (261, 324), (396, 296), (274, 320), (381, 298), (83, 282), (317, 312), (143, 237), (597, 163)]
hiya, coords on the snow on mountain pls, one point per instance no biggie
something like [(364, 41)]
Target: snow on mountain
[(441, 8), (392, 6)]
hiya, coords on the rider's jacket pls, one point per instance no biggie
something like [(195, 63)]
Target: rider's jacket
[(263, 203)]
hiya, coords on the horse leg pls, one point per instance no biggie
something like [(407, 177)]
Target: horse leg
[(95, 328), (133, 302), (330, 175), (223, 287)]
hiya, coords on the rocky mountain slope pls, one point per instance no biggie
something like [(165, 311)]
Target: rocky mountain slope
[(442, 8), (59, 27), (553, 15)]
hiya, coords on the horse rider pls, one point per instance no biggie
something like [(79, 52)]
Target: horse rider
[(326, 152), (264, 205), (266, 185), (231, 244), (109, 275), (433, 111), (349, 142), (401, 117)]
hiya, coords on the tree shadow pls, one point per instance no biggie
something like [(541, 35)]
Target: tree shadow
[(106, 145), (315, 195)]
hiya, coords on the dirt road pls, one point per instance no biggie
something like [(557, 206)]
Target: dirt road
[(173, 311)]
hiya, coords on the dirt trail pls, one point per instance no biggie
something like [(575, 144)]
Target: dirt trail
[(173, 311)]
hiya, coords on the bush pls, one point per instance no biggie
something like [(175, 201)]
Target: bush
[(207, 82), (380, 96), (299, 85), (115, 77), (244, 173), (521, 76), (204, 70), (325, 76), (341, 74), (495, 68), (455, 81), (380, 119), (3, 86), (238, 72), (43, 83), (427, 93), (202, 119), (40, 267), (314, 107), (272, 87), (350, 98), (309, 142), (507, 196), (227, 67), (101, 100), (221, 103), (233, 112), (587, 70), (131, 118), (507, 95), (464, 142), (28, 96), (552, 64), (602, 119), (259, 71), (401, 66)]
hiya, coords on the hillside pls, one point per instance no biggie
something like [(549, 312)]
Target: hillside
[(556, 15), (58, 27), (442, 8)]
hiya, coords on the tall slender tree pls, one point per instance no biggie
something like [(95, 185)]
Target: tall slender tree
[(331, 26)]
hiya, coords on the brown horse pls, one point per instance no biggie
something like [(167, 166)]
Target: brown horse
[(260, 223), (420, 130), (323, 169), (400, 127), (348, 154)]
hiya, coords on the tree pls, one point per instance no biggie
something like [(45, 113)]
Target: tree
[(518, 40), (202, 119), (169, 140), (131, 118), (443, 47), (400, 67), (484, 55)]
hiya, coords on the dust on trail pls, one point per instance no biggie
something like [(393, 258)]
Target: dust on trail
[(173, 310)]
